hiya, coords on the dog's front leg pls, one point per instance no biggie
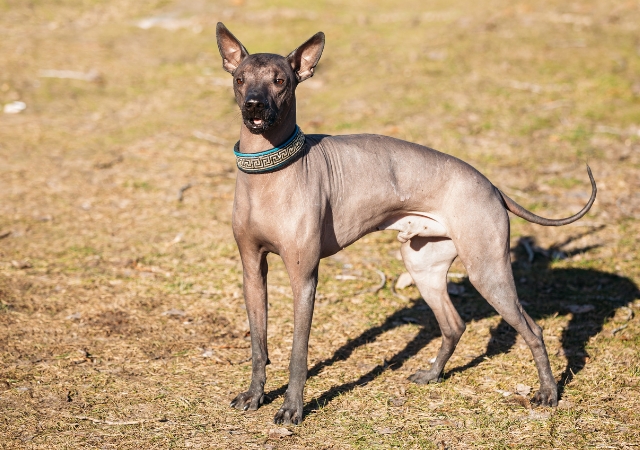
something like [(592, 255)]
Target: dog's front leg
[(304, 279), (254, 269)]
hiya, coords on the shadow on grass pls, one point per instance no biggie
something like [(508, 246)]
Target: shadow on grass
[(590, 295)]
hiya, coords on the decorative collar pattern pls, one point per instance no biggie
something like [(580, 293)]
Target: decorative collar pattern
[(270, 160)]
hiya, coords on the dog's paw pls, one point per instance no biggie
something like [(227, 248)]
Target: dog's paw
[(248, 401), (425, 377), (547, 396), (289, 414)]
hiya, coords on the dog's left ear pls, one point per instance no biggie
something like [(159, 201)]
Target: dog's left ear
[(305, 58)]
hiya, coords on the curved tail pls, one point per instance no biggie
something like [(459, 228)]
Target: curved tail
[(531, 217)]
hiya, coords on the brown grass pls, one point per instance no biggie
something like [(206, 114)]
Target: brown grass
[(121, 318)]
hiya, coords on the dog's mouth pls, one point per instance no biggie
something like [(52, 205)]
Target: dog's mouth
[(257, 125)]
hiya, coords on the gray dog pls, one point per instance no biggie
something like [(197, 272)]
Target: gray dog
[(308, 197)]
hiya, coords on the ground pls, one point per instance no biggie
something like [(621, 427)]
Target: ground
[(121, 315)]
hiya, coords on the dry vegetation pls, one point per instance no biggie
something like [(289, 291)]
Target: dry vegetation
[(121, 317)]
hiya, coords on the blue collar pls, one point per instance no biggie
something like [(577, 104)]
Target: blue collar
[(273, 159)]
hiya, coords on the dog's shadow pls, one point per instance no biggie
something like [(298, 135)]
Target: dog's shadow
[(590, 295)]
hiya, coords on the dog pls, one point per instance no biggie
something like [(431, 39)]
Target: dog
[(308, 197)]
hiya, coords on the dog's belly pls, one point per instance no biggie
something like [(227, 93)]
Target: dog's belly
[(414, 224)]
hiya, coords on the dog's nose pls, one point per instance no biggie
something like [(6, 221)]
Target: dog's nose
[(253, 103)]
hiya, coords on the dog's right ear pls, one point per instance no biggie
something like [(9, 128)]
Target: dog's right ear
[(231, 49)]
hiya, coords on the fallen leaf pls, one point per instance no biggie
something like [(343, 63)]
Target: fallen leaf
[(404, 281), (14, 107), (523, 389), (24, 264), (504, 393), (176, 239), (279, 433), (397, 401), (520, 400)]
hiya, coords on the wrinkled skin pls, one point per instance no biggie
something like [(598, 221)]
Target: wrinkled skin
[(345, 187)]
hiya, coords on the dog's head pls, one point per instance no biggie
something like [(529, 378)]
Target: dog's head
[(264, 84)]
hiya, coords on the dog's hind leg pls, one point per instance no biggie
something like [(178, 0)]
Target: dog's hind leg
[(428, 261), (493, 278)]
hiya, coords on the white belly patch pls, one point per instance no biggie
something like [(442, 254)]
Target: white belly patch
[(410, 225)]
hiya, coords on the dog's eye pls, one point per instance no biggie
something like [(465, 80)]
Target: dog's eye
[(279, 81), (239, 81)]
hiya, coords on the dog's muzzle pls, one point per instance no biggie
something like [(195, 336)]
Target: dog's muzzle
[(257, 116)]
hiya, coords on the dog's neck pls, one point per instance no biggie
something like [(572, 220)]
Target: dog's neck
[(273, 137)]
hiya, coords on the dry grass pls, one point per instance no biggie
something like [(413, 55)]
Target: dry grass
[(121, 304)]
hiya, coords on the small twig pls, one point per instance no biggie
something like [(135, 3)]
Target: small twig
[(109, 164), (620, 328), (110, 422), (230, 346), (375, 289), (629, 315), (383, 281), (182, 190), (394, 292), (243, 360), (527, 246)]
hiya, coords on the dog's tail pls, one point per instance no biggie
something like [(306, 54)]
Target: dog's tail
[(531, 217)]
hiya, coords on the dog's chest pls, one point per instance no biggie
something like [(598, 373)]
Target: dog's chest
[(278, 203)]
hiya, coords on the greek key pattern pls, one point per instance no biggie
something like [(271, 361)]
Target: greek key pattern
[(271, 160)]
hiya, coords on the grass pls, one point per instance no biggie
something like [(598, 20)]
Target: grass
[(121, 316)]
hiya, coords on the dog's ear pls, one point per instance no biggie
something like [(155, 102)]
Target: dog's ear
[(304, 59), (231, 49)]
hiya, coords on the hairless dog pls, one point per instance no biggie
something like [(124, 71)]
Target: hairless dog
[(308, 197)]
